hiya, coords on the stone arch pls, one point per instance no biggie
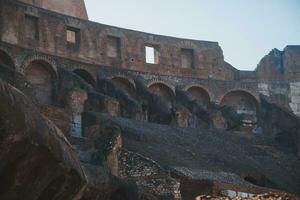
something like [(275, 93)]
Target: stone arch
[(251, 93), (162, 89), (85, 75), (126, 84), (41, 75), (244, 103), (199, 94), (155, 81), (46, 59), (6, 60)]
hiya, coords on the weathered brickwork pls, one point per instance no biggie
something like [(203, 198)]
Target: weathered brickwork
[(74, 8), (94, 41), (211, 65), (96, 84), (148, 175)]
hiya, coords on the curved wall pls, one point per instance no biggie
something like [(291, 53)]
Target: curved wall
[(110, 46)]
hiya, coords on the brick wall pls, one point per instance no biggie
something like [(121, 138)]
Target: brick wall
[(95, 43), (148, 175), (74, 8)]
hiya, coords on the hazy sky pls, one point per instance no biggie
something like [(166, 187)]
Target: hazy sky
[(245, 29)]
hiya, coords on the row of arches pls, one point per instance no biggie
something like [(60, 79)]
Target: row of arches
[(42, 75), (243, 102)]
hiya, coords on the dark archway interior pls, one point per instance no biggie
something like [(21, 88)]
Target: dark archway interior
[(242, 102), (200, 95), (85, 75), (241, 111), (125, 85), (162, 90), (40, 75), (5, 60)]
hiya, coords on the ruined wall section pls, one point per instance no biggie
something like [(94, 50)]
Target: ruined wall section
[(283, 93), (75, 8), (148, 175), (280, 65), (46, 32), (271, 66), (279, 77), (295, 97), (91, 42), (291, 62)]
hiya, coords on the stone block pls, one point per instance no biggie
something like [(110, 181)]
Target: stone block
[(228, 193)]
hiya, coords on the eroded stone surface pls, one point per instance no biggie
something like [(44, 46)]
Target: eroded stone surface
[(121, 115)]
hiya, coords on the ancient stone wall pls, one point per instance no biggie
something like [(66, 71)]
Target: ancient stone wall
[(282, 92), (74, 43), (280, 65), (148, 175), (65, 36), (77, 70), (106, 45), (75, 8)]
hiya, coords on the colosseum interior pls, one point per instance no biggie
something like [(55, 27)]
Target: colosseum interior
[(84, 114)]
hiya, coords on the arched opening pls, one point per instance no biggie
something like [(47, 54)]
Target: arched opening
[(200, 95), (5, 60), (162, 90), (244, 104), (41, 76), (126, 85), (85, 75)]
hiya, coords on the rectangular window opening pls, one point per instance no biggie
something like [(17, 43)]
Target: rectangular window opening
[(113, 47), (73, 35), (152, 55), (31, 27), (187, 58)]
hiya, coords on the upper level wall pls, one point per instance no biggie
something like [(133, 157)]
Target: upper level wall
[(95, 43), (284, 93), (112, 46), (291, 62), (75, 8), (280, 65)]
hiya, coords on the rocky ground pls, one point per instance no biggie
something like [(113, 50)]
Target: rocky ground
[(29, 141), (211, 150)]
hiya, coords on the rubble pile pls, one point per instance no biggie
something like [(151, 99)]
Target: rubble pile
[(265, 196)]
